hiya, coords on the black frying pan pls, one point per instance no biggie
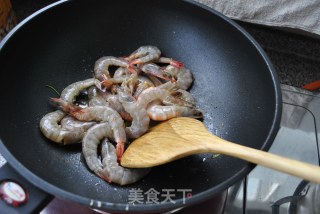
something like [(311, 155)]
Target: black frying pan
[(235, 85)]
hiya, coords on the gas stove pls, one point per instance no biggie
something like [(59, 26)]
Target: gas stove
[(262, 191)]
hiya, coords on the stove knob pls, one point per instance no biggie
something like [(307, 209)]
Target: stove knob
[(13, 193)]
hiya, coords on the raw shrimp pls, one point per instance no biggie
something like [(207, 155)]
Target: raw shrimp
[(140, 119), (183, 76), (101, 68), (107, 84), (170, 61), (108, 169), (99, 98), (90, 144), (49, 124), (142, 78), (71, 124), (116, 173), (180, 97), (143, 83), (99, 114), (160, 113), (156, 93), (144, 54), (121, 72), (155, 81), (129, 84), (71, 91), (113, 102), (154, 70), (95, 97), (50, 128), (187, 96), (144, 86), (120, 75)]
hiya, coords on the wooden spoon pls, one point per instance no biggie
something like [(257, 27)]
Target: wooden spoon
[(181, 137)]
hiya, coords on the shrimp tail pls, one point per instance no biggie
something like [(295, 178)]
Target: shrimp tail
[(176, 64), (171, 61), (119, 151), (108, 83), (135, 62), (102, 175), (132, 69), (63, 105)]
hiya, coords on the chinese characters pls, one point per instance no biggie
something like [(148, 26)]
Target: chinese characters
[(153, 196)]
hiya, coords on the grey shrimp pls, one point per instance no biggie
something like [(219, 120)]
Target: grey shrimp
[(99, 114), (170, 61), (101, 68), (143, 83), (71, 91), (107, 84), (50, 128), (116, 173), (156, 93), (180, 97), (159, 94), (108, 169), (95, 97), (142, 78), (72, 124), (113, 102), (90, 144), (183, 76), (129, 84), (140, 119), (144, 54), (121, 75), (160, 113), (49, 124), (154, 70)]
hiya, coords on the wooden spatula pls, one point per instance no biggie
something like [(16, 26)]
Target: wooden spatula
[(181, 137)]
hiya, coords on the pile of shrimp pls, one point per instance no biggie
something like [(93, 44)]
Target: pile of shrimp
[(119, 107)]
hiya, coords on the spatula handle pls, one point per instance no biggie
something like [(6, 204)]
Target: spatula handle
[(293, 167)]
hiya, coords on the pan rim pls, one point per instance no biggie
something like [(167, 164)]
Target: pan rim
[(205, 195)]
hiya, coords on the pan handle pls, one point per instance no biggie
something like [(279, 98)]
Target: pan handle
[(293, 167)]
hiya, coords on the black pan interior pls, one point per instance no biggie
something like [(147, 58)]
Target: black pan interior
[(234, 84)]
